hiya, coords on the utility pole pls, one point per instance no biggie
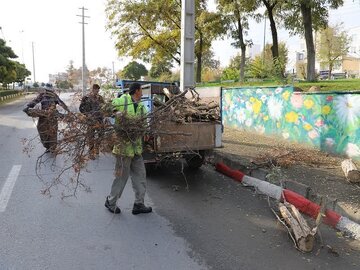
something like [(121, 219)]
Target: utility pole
[(83, 48), (22, 45), (33, 57), (187, 79)]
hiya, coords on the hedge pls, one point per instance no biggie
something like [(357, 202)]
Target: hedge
[(8, 92)]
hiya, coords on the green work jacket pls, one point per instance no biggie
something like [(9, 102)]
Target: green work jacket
[(125, 104)]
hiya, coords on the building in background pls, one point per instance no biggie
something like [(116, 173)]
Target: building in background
[(61, 76)]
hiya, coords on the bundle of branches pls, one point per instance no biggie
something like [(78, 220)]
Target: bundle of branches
[(130, 128), (75, 135), (181, 109)]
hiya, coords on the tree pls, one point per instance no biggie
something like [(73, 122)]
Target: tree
[(332, 45), (63, 84), (231, 72), (158, 69), (237, 12), (10, 70), (152, 29), (208, 60), (21, 72), (272, 6), (208, 27), (102, 75), (134, 71), (7, 66), (305, 16), (74, 75), (265, 67)]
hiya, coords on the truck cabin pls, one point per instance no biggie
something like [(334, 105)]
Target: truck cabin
[(155, 87)]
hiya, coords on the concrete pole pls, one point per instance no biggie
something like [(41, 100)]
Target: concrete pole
[(83, 54), (187, 79), (33, 58), (83, 73)]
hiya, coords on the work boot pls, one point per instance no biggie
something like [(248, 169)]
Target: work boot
[(140, 208), (113, 209)]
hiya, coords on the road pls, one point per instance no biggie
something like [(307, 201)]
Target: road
[(201, 220)]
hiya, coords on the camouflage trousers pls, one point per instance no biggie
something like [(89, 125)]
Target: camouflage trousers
[(48, 128)]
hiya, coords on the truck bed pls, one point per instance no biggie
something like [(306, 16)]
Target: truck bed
[(175, 137)]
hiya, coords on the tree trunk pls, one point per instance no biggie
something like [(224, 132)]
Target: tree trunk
[(275, 45), (242, 63), (242, 44), (199, 59), (310, 47), (330, 70)]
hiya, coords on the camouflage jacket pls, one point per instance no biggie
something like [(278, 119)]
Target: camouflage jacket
[(48, 100), (91, 106)]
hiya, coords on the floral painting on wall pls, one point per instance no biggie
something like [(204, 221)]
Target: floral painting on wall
[(328, 121)]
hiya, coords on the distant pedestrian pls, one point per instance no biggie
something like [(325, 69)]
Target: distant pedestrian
[(129, 161), (47, 125), (90, 105)]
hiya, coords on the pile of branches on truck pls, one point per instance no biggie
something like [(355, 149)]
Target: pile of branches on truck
[(181, 109)]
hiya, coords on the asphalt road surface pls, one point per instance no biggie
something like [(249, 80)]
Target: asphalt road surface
[(201, 220)]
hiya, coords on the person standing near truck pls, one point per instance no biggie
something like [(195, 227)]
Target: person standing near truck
[(90, 106), (129, 161), (47, 125)]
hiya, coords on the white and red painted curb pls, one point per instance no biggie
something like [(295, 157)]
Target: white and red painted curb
[(304, 205)]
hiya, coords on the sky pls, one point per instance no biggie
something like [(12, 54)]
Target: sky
[(53, 28)]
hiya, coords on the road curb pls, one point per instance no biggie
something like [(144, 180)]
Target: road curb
[(332, 218), (243, 164)]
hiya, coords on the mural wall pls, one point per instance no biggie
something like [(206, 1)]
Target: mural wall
[(328, 121)]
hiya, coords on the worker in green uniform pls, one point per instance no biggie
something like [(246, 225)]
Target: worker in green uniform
[(129, 161)]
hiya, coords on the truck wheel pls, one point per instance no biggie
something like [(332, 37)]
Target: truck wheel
[(196, 160), (150, 168)]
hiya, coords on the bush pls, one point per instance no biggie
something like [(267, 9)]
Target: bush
[(230, 74)]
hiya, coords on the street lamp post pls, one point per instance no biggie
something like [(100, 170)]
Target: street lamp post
[(33, 58)]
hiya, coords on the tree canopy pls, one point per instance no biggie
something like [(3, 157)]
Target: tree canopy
[(332, 45), (305, 16), (152, 28), (134, 71), (10, 70)]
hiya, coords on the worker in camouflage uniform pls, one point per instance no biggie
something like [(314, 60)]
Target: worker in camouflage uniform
[(47, 125), (129, 161), (91, 106)]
